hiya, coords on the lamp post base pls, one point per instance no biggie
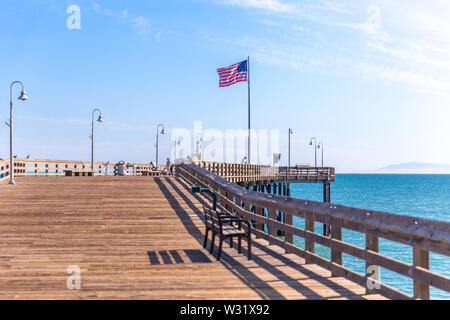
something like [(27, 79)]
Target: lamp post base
[(13, 183)]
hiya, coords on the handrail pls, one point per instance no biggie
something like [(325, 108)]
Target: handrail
[(422, 235), (43, 167), (239, 173), (4, 169)]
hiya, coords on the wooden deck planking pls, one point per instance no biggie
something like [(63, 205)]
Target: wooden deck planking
[(137, 238)]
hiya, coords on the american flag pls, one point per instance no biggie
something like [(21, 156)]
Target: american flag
[(233, 74)]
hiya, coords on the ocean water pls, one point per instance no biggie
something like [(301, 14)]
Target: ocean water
[(425, 196)]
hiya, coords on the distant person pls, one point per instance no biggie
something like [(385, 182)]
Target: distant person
[(168, 166), (244, 160), (152, 166)]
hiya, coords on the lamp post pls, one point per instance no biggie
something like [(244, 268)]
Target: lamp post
[(315, 149), (100, 119), (163, 131), (289, 148), (197, 148), (177, 142), (320, 146), (23, 97)]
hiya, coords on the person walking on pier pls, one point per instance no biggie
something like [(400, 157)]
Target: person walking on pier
[(168, 168), (244, 160)]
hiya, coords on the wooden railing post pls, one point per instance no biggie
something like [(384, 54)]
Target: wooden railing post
[(371, 270), (288, 237), (421, 259), (272, 215), (336, 255), (309, 243), (259, 211)]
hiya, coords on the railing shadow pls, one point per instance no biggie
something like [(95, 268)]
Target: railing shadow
[(258, 285), (176, 257)]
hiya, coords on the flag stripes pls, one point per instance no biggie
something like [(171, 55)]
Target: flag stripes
[(233, 74)]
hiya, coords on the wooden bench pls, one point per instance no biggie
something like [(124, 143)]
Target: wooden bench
[(221, 224), (78, 172), (152, 173)]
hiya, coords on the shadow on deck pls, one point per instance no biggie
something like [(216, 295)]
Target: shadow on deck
[(308, 281)]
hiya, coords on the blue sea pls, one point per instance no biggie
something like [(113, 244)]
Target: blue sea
[(425, 196)]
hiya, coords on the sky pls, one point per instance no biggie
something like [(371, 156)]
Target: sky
[(371, 79)]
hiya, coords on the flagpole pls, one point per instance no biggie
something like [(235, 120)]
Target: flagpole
[(249, 123)]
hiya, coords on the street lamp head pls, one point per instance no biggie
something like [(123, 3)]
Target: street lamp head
[(100, 119), (23, 96), (163, 131)]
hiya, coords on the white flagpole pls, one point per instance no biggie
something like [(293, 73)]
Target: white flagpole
[(249, 123)]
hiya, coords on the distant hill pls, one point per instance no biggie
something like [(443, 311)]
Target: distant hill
[(415, 167)]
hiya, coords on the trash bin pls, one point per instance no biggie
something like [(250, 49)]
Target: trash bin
[(120, 168)]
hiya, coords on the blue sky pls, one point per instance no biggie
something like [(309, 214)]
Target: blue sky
[(369, 78)]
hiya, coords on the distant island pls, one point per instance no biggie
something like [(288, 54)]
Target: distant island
[(415, 167)]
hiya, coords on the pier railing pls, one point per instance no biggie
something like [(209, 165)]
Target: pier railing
[(239, 173), (422, 235), (4, 169), (39, 168)]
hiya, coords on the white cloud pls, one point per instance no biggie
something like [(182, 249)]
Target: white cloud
[(299, 28), (406, 41), (139, 23), (124, 14), (270, 5)]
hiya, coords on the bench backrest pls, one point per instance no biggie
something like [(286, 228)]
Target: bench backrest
[(213, 219), (208, 217)]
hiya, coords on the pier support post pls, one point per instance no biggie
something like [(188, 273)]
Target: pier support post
[(327, 199)]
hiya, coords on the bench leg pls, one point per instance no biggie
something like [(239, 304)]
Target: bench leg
[(239, 245), (219, 253), (249, 250), (231, 242), (206, 238), (212, 242)]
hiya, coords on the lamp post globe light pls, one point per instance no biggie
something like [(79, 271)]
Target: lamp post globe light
[(100, 119), (320, 146), (163, 131), (315, 149), (23, 97)]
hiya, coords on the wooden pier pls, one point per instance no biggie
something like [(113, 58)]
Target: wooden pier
[(140, 237)]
